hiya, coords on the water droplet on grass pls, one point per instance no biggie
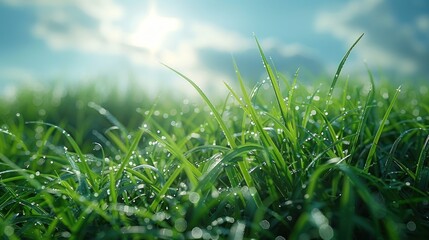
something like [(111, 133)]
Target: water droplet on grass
[(411, 226), (194, 197), (197, 232), (385, 95), (180, 224), (264, 224)]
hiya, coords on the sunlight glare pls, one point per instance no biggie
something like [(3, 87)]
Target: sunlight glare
[(152, 31)]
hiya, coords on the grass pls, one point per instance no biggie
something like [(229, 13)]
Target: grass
[(280, 160)]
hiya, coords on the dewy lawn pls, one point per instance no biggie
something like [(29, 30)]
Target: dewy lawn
[(346, 160)]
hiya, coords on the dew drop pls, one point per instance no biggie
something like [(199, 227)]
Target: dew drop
[(411, 226), (197, 232), (264, 224)]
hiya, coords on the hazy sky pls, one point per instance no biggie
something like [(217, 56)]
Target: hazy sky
[(81, 39)]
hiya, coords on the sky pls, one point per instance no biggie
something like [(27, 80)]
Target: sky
[(80, 40)]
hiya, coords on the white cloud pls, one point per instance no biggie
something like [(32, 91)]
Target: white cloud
[(104, 27), (12, 77), (389, 42), (148, 43), (209, 36), (103, 10), (79, 25), (13, 74), (286, 50), (337, 22), (422, 23)]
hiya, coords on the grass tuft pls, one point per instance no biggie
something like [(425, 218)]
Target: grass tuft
[(281, 160)]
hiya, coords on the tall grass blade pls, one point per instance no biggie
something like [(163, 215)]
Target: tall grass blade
[(364, 116), (421, 161), (225, 129), (265, 138), (275, 84), (377, 136), (340, 67)]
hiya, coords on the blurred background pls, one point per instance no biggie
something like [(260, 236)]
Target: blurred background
[(75, 41)]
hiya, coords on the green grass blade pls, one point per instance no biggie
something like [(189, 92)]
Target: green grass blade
[(377, 136), (338, 72), (216, 167), (225, 129), (275, 84), (267, 141), (20, 171), (347, 207), (112, 119), (132, 148), (421, 160), (191, 171), (130, 152), (165, 188), (86, 170), (112, 187), (364, 116)]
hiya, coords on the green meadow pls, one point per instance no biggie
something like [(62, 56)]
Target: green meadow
[(279, 159)]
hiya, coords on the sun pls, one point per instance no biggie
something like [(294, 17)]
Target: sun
[(152, 31)]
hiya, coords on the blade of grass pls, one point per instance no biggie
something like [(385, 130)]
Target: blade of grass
[(225, 129), (421, 160), (347, 206), (337, 73), (132, 148), (274, 83), (364, 116), (165, 188), (267, 141), (373, 148), (191, 171), (289, 122), (216, 167), (86, 169), (112, 119)]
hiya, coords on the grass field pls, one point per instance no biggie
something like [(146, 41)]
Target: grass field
[(279, 160)]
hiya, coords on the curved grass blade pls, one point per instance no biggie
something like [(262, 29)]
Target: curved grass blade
[(21, 171), (86, 169), (225, 129), (230, 138), (394, 147), (112, 119), (216, 167), (191, 171), (340, 67)]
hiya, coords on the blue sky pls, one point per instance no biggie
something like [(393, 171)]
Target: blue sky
[(80, 40)]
